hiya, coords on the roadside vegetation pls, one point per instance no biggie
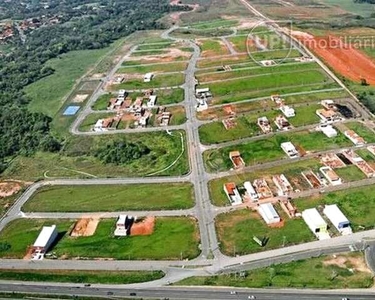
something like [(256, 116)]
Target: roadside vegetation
[(73, 276), (324, 272)]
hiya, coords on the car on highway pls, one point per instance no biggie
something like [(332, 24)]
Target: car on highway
[(133, 294), (233, 292), (252, 297)]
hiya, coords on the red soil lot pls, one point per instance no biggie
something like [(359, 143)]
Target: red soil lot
[(344, 59)]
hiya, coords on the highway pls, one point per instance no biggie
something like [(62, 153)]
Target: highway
[(196, 293)]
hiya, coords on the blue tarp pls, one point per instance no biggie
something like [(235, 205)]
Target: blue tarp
[(71, 110)]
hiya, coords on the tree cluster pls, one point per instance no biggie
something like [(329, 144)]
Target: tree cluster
[(84, 25), (120, 152)]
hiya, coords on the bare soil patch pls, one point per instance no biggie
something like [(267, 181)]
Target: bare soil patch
[(80, 98), (85, 227), (143, 226), (9, 188), (355, 263)]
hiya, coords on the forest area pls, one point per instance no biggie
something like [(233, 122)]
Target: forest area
[(82, 25)]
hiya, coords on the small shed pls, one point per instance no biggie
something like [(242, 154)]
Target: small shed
[(45, 239), (316, 223)]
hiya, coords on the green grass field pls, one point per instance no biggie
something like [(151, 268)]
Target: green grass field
[(170, 96), (76, 159), (366, 155), (102, 102), (211, 47), (214, 24), (256, 70), (153, 46), (159, 68), (350, 173), (266, 150), (261, 82), (362, 9), (358, 204), (68, 69), (237, 229), (111, 198), (180, 234), (73, 276), (320, 275)]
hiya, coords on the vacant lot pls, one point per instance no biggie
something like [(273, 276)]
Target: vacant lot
[(268, 149), (211, 47), (77, 160), (362, 130), (166, 80), (73, 276), (68, 68), (327, 272), (267, 81), (237, 229), (181, 235), (154, 68), (97, 198), (215, 132), (357, 204), (256, 70)]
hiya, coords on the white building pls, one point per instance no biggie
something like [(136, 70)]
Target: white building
[(283, 185), (151, 101), (251, 191), (316, 223), (99, 126), (121, 94), (288, 111), (123, 225), (232, 193), (268, 213), (338, 219), (289, 149), (148, 77), (44, 241), (331, 175), (328, 130)]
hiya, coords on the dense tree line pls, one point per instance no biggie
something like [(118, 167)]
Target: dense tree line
[(120, 152), (82, 27), (365, 1)]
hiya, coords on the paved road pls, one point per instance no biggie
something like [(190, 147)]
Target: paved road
[(187, 292)]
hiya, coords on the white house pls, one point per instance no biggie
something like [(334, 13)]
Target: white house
[(331, 175), (99, 125), (338, 219), (328, 130), (316, 223), (251, 191), (151, 101), (123, 225), (44, 241), (289, 149), (232, 193), (268, 213), (288, 111), (148, 77)]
